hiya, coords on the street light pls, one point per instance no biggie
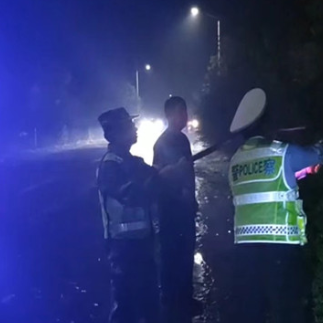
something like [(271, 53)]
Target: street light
[(147, 68), (195, 12)]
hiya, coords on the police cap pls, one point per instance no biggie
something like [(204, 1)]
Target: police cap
[(115, 118)]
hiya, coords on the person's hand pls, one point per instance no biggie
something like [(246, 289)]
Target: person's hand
[(178, 171), (184, 165), (308, 170), (319, 148), (314, 169)]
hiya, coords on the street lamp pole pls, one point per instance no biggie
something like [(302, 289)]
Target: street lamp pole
[(195, 12), (137, 84), (219, 45), (218, 37), (147, 68)]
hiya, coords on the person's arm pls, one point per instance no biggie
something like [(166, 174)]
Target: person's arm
[(172, 159), (132, 183), (151, 180), (302, 157), (189, 193), (110, 180), (165, 169), (156, 158), (159, 160)]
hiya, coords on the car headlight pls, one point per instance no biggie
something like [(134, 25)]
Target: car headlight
[(148, 132), (195, 123)]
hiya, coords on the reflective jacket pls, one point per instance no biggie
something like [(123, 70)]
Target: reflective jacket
[(124, 203), (267, 209)]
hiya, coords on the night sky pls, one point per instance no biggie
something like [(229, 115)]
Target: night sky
[(95, 46), (99, 44)]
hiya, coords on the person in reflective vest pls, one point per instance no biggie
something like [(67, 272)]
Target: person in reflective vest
[(269, 228), (127, 189)]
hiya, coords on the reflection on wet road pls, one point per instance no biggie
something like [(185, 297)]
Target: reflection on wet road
[(53, 266), (212, 273)]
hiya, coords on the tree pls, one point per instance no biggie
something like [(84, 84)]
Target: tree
[(276, 45)]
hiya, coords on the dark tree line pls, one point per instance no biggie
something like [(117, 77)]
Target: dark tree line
[(276, 45)]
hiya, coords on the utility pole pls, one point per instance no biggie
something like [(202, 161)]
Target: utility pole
[(219, 46), (137, 84), (35, 138)]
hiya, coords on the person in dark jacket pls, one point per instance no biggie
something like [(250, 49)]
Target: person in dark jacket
[(177, 207)]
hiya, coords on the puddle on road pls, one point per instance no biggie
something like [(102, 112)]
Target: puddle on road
[(212, 231), (203, 276)]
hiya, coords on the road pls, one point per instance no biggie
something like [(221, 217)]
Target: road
[(53, 266)]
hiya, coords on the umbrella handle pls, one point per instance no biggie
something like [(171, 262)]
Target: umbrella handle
[(210, 150), (205, 152), (256, 99)]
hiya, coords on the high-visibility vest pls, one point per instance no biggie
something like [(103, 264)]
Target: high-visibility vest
[(121, 221), (267, 209)]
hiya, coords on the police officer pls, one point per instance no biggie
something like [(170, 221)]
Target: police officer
[(126, 191), (269, 228)]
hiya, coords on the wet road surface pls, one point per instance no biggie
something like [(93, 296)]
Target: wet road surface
[(53, 266)]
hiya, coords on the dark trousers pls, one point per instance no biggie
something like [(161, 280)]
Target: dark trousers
[(177, 244), (270, 283), (134, 283)]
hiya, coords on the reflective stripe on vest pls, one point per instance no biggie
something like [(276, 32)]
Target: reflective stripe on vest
[(127, 227), (126, 222), (265, 197), (266, 229), (121, 221)]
